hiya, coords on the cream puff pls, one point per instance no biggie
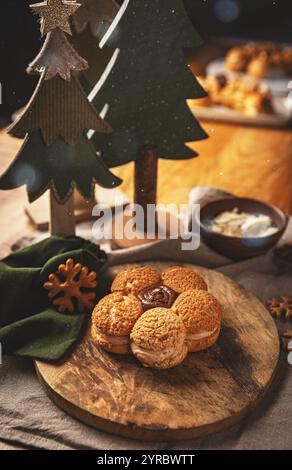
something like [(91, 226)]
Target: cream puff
[(112, 321), (181, 279), (201, 314), (134, 279), (158, 339)]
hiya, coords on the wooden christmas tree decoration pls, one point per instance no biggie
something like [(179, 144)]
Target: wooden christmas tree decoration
[(147, 89), (94, 13), (62, 63), (89, 24), (56, 153), (55, 14)]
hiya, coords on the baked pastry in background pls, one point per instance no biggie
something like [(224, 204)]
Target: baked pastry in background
[(181, 279), (112, 321), (236, 60), (257, 59), (244, 95), (134, 279), (276, 59), (158, 339), (259, 66), (287, 59), (201, 314)]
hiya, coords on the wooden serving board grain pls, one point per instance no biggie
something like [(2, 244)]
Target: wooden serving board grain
[(209, 392)]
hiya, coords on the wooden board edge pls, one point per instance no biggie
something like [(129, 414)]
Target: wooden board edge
[(151, 435)]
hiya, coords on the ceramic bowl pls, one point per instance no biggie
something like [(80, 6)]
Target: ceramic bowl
[(240, 248)]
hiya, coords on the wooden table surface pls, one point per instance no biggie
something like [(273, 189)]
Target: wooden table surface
[(247, 161)]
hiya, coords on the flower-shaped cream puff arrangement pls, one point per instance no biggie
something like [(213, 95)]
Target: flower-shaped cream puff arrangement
[(158, 318)]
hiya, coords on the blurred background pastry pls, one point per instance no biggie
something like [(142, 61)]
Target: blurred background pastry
[(244, 95), (236, 60), (259, 66), (259, 59)]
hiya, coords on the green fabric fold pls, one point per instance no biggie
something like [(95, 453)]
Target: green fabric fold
[(29, 324)]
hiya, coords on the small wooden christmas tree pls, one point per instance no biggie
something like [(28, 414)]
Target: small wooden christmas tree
[(94, 13), (56, 153), (90, 22), (147, 89)]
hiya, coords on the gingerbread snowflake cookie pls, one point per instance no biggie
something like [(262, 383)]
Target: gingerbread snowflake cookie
[(72, 287)]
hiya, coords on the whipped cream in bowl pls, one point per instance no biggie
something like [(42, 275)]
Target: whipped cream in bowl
[(236, 223)]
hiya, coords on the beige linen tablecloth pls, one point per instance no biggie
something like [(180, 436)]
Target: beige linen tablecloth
[(29, 420)]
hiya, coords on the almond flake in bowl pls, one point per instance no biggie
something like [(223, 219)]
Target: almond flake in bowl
[(236, 223)]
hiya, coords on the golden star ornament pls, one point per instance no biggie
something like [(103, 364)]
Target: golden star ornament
[(55, 14)]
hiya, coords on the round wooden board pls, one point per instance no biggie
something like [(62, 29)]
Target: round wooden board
[(209, 392)]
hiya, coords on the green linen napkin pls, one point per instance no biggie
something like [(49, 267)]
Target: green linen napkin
[(29, 324)]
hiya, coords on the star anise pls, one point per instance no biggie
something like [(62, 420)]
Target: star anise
[(281, 307)]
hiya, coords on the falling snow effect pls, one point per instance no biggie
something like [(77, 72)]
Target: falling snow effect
[(149, 84)]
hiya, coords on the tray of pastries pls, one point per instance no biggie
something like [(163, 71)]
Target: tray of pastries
[(250, 85)]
